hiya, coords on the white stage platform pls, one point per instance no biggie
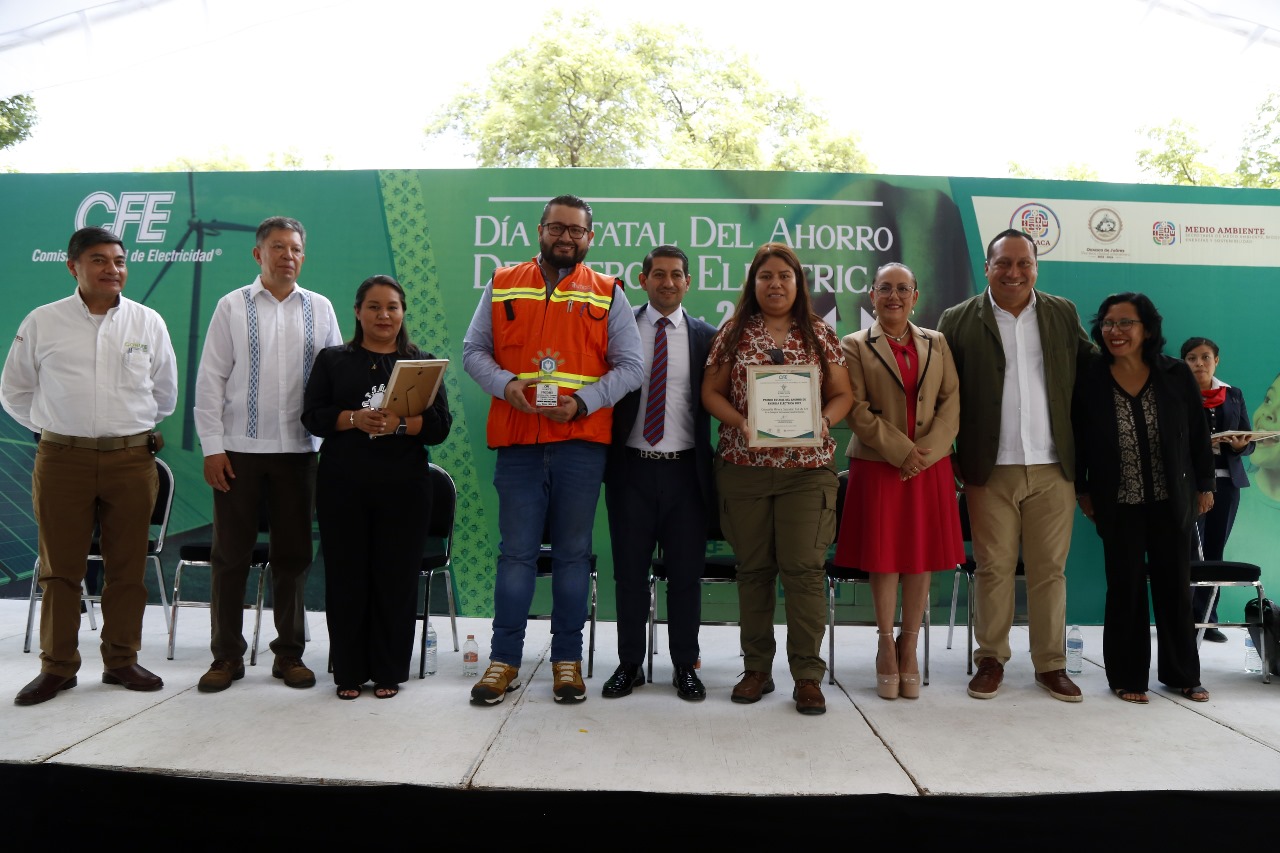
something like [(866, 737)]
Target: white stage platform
[(1023, 742)]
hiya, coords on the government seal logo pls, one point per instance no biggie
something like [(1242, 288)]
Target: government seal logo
[(1164, 233), (1105, 225), (1040, 224)]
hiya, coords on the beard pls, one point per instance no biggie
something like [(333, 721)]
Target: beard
[(563, 256)]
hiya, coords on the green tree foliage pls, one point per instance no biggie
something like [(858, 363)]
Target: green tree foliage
[(1177, 154), (582, 95), (1260, 154), (1176, 157), (1069, 172), (292, 160), (221, 160), (224, 160), (17, 118)]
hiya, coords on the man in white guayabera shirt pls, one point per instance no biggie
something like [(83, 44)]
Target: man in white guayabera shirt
[(258, 353)]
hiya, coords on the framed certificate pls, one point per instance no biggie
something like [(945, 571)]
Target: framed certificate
[(784, 405), (413, 385)]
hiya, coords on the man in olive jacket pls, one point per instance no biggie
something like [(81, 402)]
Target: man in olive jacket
[(1017, 351)]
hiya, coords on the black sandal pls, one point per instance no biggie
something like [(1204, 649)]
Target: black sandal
[(385, 691), (1141, 694), (1195, 694), (353, 690)]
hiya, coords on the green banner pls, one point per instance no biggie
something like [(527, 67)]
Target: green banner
[(1207, 257)]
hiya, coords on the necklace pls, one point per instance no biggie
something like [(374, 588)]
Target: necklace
[(899, 338), (378, 361)]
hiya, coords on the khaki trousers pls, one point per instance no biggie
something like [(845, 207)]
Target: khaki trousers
[(71, 488), (1027, 509), (780, 522)]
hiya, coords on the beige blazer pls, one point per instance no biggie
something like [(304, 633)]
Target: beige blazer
[(879, 415)]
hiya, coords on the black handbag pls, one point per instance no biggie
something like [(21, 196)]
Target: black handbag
[(1264, 626)]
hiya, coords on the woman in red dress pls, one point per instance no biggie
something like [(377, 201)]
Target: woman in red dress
[(901, 520)]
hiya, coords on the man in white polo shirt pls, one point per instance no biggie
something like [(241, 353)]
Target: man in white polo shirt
[(92, 374), (258, 353)]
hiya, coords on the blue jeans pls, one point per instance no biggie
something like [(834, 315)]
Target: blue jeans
[(553, 486)]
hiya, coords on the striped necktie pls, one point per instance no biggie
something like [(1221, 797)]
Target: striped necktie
[(655, 411)]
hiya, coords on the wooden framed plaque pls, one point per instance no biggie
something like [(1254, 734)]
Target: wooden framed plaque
[(413, 385), (1252, 435)]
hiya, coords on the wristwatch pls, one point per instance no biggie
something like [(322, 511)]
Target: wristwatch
[(582, 407), (403, 427)]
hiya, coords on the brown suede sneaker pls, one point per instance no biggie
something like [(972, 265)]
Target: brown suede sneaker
[(498, 680), (569, 686)]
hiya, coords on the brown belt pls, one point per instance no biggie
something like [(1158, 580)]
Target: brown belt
[(119, 442)]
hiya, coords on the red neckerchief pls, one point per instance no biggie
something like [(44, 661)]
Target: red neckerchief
[(1214, 397)]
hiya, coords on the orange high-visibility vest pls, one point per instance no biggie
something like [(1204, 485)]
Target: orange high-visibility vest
[(571, 327)]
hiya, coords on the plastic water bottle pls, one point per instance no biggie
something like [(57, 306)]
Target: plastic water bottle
[(1252, 660), (1075, 651), (470, 657), (431, 649)]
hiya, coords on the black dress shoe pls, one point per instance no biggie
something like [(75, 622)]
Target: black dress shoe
[(625, 677), (45, 686), (1213, 635), (688, 685), (132, 677)]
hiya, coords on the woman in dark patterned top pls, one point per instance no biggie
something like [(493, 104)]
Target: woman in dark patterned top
[(1144, 473)]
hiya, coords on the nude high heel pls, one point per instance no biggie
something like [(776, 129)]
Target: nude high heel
[(910, 681), (886, 685)]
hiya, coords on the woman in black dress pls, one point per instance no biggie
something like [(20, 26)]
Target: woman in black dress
[(373, 495)]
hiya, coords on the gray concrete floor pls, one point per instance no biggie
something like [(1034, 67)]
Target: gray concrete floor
[(1021, 742)]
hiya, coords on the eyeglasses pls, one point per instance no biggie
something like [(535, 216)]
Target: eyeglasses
[(1123, 325), (557, 229), (885, 289)]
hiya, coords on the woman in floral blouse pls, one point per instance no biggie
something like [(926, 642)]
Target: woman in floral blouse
[(777, 504)]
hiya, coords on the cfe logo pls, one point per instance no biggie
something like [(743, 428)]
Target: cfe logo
[(146, 210)]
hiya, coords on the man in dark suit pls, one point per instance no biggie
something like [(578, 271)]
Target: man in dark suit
[(1017, 350), (658, 485)]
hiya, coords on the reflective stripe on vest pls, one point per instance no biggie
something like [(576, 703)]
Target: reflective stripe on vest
[(570, 325)]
